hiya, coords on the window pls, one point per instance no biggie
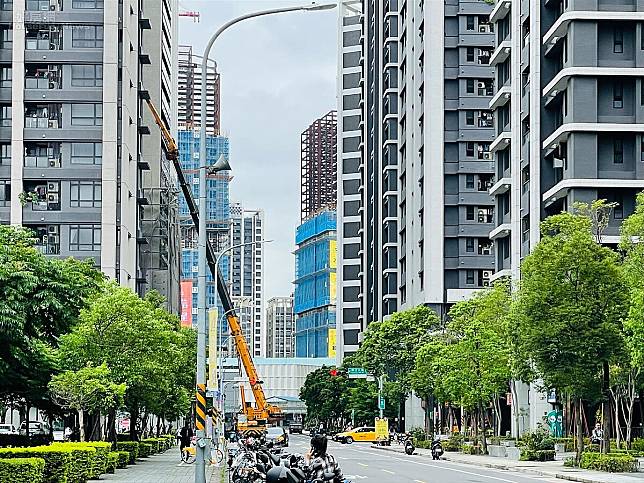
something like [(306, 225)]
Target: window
[(5, 154), (5, 76), (87, 75), (525, 229), (618, 211), (618, 95), (618, 40), (470, 86), (618, 151), (469, 245), (87, 36), (469, 150), (5, 193), (469, 181), (642, 149), (87, 114), (469, 277), (470, 54), (469, 118), (36, 5), (84, 238), (87, 3), (469, 213), (6, 38), (470, 22), (6, 5), (86, 153), (85, 194), (5, 116)]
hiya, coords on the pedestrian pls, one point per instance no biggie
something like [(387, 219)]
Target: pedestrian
[(597, 435), (321, 462), (186, 437)]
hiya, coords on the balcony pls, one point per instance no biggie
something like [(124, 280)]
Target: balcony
[(501, 98), (502, 141), (501, 53), (500, 10), (500, 187), (500, 231)]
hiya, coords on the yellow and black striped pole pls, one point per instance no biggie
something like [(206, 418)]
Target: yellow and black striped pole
[(200, 413)]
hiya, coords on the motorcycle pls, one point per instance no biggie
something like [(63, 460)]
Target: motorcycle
[(409, 445), (437, 449)]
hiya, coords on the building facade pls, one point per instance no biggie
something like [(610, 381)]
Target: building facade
[(247, 269), (73, 131), (319, 165), (217, 219), (315, 286), (280, 327), (189, 82)]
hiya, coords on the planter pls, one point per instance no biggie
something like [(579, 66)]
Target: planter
[(497, 451), (560, 447), (513, 453)]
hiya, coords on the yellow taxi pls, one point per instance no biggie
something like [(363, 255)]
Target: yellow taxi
[(363, 433)]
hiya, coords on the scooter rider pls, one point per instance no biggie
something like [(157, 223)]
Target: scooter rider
[(320, 462)]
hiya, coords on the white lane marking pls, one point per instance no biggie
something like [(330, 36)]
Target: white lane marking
[(387, 471), (419, 481), (362, 464), (449, 468)]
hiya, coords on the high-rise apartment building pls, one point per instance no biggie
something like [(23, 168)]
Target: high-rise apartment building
[(247, 268), (217, 218), (319, 165), (315, 286), (280, 327), (190, 80), (72, 132)]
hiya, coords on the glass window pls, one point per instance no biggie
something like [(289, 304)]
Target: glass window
[(618, 40), (470, 22), (5, 193), (85, 194), (618, 151), (84, 238), (469, 149), (86, 153), (469, 215), (35, 5), (470, 86), (618, 211), (469, 118), (5, 154), (87, 3), (87, 36), (5, 76), (87, 75), (469, 277), (469, 245), (6, 38), (469, 181), (5, 116), (470, 54), (6, 5), (87, 114), (618, 95)]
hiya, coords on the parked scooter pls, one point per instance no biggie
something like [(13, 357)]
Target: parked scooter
[(409, 445), (437, 449)]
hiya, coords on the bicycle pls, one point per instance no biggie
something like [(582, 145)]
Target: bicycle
[(189, 454)]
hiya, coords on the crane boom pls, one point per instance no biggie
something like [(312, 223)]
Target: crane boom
[(263, 410)]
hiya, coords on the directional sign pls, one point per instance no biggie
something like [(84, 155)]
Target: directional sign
[(357, 373), (381, 403)]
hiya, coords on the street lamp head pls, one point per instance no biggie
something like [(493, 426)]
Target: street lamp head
[(221, 165), (315, 7)]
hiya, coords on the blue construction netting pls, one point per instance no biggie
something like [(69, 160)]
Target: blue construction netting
[(312, 333), (325, 221)]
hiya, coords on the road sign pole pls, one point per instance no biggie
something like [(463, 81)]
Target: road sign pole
[(380, 401)]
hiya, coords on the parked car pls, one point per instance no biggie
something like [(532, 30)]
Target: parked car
[(8, 429), (364, 433), (295, 427), (36, 428), (277, 435)]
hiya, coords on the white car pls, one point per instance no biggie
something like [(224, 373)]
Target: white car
[(36, 428), (8, 429)]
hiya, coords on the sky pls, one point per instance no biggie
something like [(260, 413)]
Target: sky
[(278, 75)]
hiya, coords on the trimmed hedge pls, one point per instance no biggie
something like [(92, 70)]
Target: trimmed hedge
[(82, 463), (537, 455), (123, 459), (611, 462), (112, 462), (22, 470), (145, 450), (132, 447), (471, 449), (156, 444), (99, 465), (58, 461)]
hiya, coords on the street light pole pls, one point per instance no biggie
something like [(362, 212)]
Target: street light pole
[(200, 463)]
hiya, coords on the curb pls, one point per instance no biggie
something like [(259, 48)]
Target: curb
[(498, 466)]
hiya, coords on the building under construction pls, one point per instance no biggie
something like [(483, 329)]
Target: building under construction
[(189, 85), (319, 161)]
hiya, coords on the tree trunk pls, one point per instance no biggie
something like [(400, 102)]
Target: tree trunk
[(483, 429), (606, 412), (81, 425), (134, 417), (111, 426), (515, 408), (617, 426), (579, 431), (158, 426), (27, 432)]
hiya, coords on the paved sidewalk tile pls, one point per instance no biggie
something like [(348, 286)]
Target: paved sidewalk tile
[(554, 469), (162, 468)]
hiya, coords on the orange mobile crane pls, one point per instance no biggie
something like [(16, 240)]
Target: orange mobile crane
[(256, 418)]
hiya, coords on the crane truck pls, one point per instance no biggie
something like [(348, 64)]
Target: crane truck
[(255, 417)]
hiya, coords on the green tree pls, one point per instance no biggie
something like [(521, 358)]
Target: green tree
[(569, 308), (88, 389), (325, 396)]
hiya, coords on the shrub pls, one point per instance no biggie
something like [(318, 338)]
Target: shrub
[(124, 459), (82, 462), (537, 455), (454, 443), (112, 462), (638, 444), (132, 447), (418, 434), (471, 449), (145, 450), (58, 461), (537, 440), (22, 470), (423, 444), (99, 465), (155, 443), (610, 462)]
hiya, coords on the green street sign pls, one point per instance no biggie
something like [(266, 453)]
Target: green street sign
[(357, 371), (381, 403)]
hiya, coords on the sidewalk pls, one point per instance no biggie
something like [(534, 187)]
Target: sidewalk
[(551, 469), (163, 468)]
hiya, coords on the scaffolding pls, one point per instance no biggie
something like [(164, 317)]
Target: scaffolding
[(318, 165)]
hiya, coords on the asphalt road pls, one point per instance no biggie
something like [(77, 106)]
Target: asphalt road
[(360, 462)]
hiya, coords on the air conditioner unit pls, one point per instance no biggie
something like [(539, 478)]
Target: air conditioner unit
[(195, 268), (52, 187), (487, 251), (53, 198), (195, 289), (481, 85), (53, 229), (54, 163), (487, 274), (487, 155), (484, 29), (486, 283), (195, 155)]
